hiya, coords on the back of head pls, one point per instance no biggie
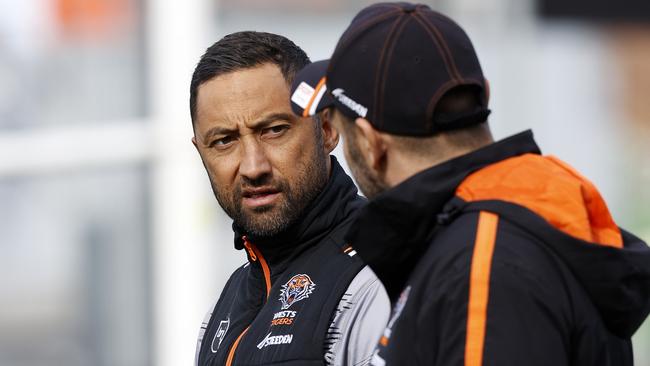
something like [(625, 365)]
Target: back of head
[(452, 106), (242, 50), (442, 145)]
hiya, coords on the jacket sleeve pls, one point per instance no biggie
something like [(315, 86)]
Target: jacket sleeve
[(360, 318), (204, 327), (504, 306)]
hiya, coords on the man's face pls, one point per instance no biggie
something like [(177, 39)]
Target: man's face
[(265, 164), (367, 179)]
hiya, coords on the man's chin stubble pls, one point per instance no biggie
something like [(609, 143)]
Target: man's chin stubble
[(265, 221)]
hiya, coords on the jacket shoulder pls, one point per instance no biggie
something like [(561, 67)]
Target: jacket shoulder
[(454, 247)]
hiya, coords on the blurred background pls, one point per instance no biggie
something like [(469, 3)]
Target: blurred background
[(112, 247)]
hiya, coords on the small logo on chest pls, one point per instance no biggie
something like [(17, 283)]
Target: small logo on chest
[(220, 334), (283, 317), (299, 287), (270, 340)]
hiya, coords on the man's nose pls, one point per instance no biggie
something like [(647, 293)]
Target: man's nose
[(254, 162)]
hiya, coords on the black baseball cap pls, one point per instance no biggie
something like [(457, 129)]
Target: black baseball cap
[(391, 66)]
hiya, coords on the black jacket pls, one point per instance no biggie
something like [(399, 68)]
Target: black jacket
[(276, 309), (503, 257)]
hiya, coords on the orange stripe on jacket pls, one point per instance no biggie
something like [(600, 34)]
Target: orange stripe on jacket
[(551, 189), (231, 354), (479, 288)]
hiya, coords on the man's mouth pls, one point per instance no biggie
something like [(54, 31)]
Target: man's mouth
[(257, 197)]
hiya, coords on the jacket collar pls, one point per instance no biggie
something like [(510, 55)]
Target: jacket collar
[(391, 231), (334, 204)]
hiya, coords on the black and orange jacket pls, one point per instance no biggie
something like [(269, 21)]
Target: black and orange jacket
[(503, 257), (277, 308)]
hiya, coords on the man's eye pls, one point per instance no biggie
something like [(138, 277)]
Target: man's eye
[(222, 142), (275, 130)]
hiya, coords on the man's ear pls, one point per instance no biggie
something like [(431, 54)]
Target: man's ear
[(194, 142), (371, 143), (487, 89), (329, 132)]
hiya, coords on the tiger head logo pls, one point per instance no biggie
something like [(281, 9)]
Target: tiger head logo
[(298, 287)]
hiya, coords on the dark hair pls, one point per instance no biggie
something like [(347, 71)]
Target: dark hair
[(459, 100), (244, 50)]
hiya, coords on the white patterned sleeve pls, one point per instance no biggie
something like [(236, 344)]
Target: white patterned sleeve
[(358, 323)]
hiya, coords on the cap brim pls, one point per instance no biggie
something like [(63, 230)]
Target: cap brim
[(309, 91)]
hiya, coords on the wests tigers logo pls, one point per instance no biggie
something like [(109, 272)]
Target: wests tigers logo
[(298, 287)]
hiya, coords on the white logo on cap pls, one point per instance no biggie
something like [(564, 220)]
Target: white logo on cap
[(348, 102), (302, 95)]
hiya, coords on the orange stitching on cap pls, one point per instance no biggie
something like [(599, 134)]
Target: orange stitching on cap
[(378, 72), (438, 46), (344, 42), (442, 40)]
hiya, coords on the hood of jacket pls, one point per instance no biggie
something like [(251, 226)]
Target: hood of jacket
[(571, 218), (612, 265)]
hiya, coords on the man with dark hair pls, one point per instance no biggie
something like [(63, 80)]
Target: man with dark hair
[(303, 297), (491, 253)]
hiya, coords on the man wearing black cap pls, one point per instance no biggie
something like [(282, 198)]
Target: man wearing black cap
[(491, 253), (303, 297)]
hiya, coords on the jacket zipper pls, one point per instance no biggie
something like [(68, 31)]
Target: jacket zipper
[(255, 256)]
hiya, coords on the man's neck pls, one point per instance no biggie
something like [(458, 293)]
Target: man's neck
[(403, 166)]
